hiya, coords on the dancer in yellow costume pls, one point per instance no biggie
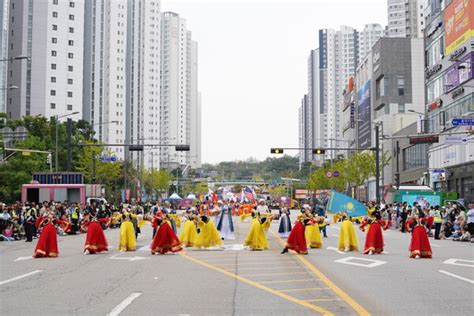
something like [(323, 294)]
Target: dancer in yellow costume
[(208, 235), (256, 238), (312, 233), (189, 233), (347, 236), (127, 233)]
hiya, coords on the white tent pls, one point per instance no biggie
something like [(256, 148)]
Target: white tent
[(174, 197)]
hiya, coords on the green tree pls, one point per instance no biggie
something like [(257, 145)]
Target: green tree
[(157, 180), (105, 172)]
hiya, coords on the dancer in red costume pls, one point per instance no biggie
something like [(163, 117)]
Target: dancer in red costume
[(165, 239), (296, 240), (95, 239), (47, 244), (374, 239), (420, 245)]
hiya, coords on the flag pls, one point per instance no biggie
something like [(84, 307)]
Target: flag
[(339, 202), (249, 194)]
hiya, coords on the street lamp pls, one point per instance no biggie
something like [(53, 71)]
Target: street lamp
[(19, 57), (57, 137), (10, 88)]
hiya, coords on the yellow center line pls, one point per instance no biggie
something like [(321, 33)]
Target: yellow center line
[(270, 274), (324, 300), (286, 281), (349, 300), (260, 286), (306, 289)]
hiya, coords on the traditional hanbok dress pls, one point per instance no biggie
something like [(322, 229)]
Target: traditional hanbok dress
[(420, 244), (189, 233), (256, 238), (296, 240), (225, 225), (313, 234), (127, 233), (284, 227), (165, 240), (208, 234), (374, 238), (47, 245), (95, 239), (347, 237)]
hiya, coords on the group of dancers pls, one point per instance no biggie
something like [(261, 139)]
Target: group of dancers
[(210, 229)]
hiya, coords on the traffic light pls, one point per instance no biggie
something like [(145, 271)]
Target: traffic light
[(277, 151), (397, 180), (48, 159), (319, 151), (135, 148)]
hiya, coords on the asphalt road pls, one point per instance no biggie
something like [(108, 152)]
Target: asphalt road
[(235, 281)]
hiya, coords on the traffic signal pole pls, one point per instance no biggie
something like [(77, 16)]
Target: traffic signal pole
[(377, 164)]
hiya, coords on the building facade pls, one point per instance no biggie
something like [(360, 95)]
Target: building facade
[(406, 18), (449, 76), (50, 33), (4, 15)]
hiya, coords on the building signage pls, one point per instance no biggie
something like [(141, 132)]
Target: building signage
[(434, 27), (424, 140), (459, 24), (433, 70), (364, 110), (352, 119), (456, 93), (457, 53), (460, 72)]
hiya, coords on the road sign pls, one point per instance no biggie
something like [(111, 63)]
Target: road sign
[(424, 140), (336, 174), (456, 140), (329, 174), (438, 170), (463, 121), (108, 159)]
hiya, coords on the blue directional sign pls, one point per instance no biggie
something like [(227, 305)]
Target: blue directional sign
[(463, 121), (108, 159)]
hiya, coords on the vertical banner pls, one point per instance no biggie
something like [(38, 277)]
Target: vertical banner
[(364, 130), (122, 195), (459, 24)]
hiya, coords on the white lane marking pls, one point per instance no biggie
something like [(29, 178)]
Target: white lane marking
[(455, 262), (386, 252), (435, 245), (350, 260), (456, 276), (20, 277), (334, 235), (155, 278), (234, 247), (336, 250), (120, 307), (23, 258), (144, 248), (136, 258)]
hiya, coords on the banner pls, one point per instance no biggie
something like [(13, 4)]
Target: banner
[(339, 202), (364, 128), (458, 23)]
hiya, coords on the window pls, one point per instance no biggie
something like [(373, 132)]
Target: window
[(71, 17), (52, 92), (70, 68), (53, 66), (52, 106), (71, 4), (69, 107), (54, 40), (69, 94), (71, 30), (55, 27), (54, 53), (70, 55), (71, 43), (401, 85), (53, 79), (70, 81), (55, 2), (401, 108), (55, 14), (414, 157)]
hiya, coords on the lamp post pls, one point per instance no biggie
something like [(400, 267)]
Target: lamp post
[(19, 57), (57, 137)]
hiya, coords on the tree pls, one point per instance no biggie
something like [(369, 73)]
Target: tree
[(105, 172), (157, 180)]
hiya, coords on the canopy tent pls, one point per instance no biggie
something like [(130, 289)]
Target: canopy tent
[(174, 197)]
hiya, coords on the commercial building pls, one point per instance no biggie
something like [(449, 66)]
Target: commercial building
[(449, 51), (51, 35)]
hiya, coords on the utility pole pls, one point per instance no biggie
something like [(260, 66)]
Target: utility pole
[(69, 145), (377, 164), (397, 174)]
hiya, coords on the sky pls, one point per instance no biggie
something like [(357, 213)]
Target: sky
[(252, 63)]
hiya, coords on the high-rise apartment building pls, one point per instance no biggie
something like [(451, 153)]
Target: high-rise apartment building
[(406, 18), (368, 37), (179, 95), (50, 33), (4, 8)]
